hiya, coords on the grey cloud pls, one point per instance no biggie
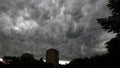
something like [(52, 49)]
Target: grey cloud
[(74, 33), (67, 25)]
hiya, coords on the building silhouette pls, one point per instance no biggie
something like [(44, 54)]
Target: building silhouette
[(52, 56)]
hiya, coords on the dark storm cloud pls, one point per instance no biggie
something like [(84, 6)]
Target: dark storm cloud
[(68, 25)]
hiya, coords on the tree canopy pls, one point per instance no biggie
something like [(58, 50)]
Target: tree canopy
[(112, 24)]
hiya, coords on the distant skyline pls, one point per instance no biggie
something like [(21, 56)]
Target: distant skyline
[(70, 26)]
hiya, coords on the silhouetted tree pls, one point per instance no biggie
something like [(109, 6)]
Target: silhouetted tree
[(25, 61), (41, 59), (114, 46), (27, 58), (11, 59), (112, 24), (63, 66), (79, 63)]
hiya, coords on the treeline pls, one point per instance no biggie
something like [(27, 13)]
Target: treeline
[(27, 60), (103, 61)]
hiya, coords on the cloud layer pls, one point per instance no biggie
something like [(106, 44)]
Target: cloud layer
[(68, 25)]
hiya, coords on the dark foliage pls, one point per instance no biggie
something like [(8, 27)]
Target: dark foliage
[(112, 24), (79, 63), (114, 46), (26, 60)]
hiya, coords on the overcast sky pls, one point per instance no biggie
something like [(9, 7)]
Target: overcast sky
[(69, 26)]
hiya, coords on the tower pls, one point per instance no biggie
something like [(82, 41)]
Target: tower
[(52, 56)]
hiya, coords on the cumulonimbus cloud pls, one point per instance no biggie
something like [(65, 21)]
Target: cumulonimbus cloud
[(67, 25)]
